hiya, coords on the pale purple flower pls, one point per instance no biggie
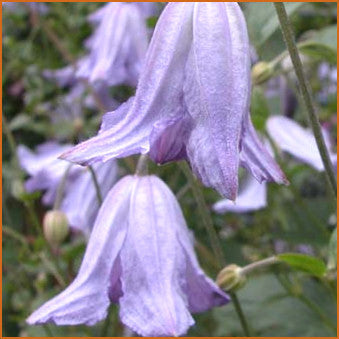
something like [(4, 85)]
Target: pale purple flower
[(298, 141), (118, 45), (79, 94), (63, 76), (252, 197), (139, 255), (80, 201), (44, 168), (39, 7), (192, 101)]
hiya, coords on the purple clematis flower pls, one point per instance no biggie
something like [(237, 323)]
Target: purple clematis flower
[(192, 101), (45, 169), (118, 46), (292, 138), (253, 197), (80, 202), (139, 255)]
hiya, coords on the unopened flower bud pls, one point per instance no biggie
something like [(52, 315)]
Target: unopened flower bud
[(55, 227), (18, 189), (78, 124), (261, 72), (231, 278)]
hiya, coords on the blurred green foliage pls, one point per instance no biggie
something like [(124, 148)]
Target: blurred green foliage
[(283, 302)]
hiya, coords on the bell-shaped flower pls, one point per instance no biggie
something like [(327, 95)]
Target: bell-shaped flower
[(44, 168), (252, 197), (298, 141), (80, 201), (139, 255), (192, 100), (117, 47)]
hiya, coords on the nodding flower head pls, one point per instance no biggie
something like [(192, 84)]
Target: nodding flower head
[(118, 46), (192, 101), (79, 202), (140, 255)]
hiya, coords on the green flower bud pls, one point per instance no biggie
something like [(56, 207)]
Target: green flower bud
[(18, 189), (55, 226), (231, 278), (78, 124), (261, 72)]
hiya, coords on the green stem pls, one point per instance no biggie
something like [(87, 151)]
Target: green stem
[(306, 93), (68, 57), (11, 232), (12, 144), (316, 309), (142, 165), (240, 313), (61, 188), (259, 265), (302, 297), (96, 184), (11, 141), (204, 213), (48, 331), (213, 237), (318, 223), (105, 326)]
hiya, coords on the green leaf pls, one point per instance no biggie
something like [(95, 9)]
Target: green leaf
[(262, 20), (318, 51), (332, 252), (304, 263), (259, 108), (321, 45)]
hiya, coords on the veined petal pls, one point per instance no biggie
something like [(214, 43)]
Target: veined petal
[(80, 203), (217, 90), (152, 263), (296, 140), (202, 293), (168, 138), (252, 197), (119, 136), (45, 168), (118, 45), (158, 95), (86, 300), (45, 155), (256, 158)]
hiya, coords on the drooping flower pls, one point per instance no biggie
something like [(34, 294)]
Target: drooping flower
[(192, 101), (292, 138), (139, 255), (80, 201), (251, 198), (45, 169), (118, 45)]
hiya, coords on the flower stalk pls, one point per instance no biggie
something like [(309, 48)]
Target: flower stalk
[(61, 189), (96, 184), (305, 93)]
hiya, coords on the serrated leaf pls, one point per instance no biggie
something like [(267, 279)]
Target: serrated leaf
[(304, 263)]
